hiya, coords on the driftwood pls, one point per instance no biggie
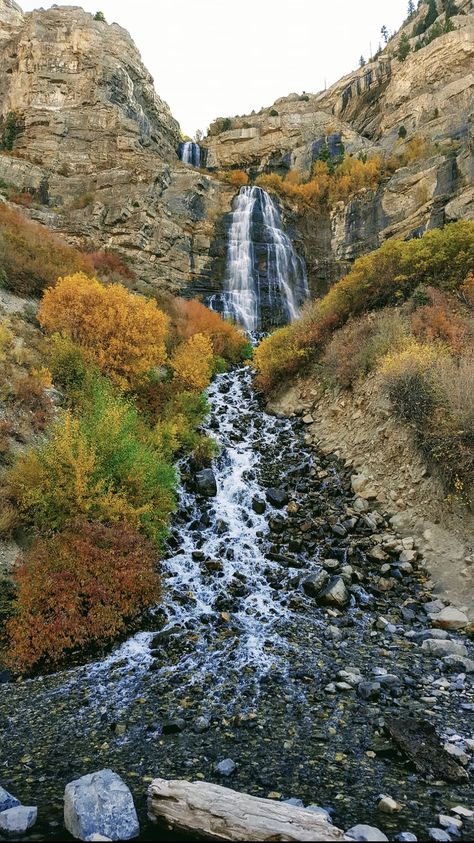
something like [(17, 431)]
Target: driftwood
[(211, 812), (418, 740)]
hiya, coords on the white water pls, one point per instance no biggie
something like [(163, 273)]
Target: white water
[(190, 153), (263, 271)]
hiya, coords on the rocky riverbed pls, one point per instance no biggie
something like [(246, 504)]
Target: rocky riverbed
[(296, 628)]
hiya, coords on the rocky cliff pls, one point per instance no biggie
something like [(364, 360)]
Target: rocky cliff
[(96, 148)]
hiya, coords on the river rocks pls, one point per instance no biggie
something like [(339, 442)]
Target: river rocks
[(258, 504), (406, 837), (366, 833), (16, 821), (438, 835), (314, 584), (369, 690), (277, 497), (7, 800), (226, 767), (387, 805), (206, 483), (173, 727), (335, 593), (444, 648), (100, 803), (449, 618)]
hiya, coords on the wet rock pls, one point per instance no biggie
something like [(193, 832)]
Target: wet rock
[(335, 593), (100, 803), (17, 820), (206, 483), (277, 497), (225, 767), (7, 800), (366, 833), (387, 805), (438, 835), (277, 524), (418, 740), (449, 618), (314, 584), (449, 823), (369, 690), (258, 505), (462, 811), (202, 724), (173, 727), (444, 648), (458, 663), (406, 837)]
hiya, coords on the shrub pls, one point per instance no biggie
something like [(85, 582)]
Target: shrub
[(67, 363), (30, 396), (434, 322), (31, 258), (83, 201), (389, 275), (101, 464), (99, 16), (236, 178), (62, 606), (406, 374), (403, 47), (124, 334), (110, 266), (273, 113), (402, 132), (192, 317), (467, 289), (192, 362), (12, 127)]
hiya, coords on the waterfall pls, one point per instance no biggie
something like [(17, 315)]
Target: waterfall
[(190, 153), (265, 281)]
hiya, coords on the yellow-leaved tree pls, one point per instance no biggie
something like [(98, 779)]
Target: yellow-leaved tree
[(123, 333), (192, 362)]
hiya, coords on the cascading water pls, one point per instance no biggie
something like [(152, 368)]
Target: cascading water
[(190, 153), (265, 282)]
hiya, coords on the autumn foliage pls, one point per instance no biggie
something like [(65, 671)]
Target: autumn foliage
[(79, 588), (192, 362), (192, 317), (124, 334)]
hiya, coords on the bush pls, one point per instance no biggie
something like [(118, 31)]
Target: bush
[(236, 178), (192, 362), (402, 132), (273, 113), (434, 322), (99, 16), (192, 317), (101, 464), (110, 266), (12, 127), (122, 333), (31, 258), (62, 606), (67, 363), (389, 275)]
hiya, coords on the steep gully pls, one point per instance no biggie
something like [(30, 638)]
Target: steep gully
[(272, 588)]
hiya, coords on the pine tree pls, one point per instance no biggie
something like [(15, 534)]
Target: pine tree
[(384, 33), (411, 7), (362, 61), (403, 47)]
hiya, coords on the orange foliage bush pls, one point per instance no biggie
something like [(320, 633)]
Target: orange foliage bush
[(467, 289), (124, 334), (236, 178), (62, 605), (31, 258), (192, 317), (192, 362), (30, 396), (434, 322)]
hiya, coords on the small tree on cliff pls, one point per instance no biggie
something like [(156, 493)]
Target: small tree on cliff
[(362, 61), (100, 16), (404, 47), (385, 34), (411, 7)]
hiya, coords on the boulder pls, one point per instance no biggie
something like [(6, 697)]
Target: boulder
[(226, 767), (258, 505), (313, 584), (444, 648), (449, 618), (366, 832), (100, 803), (277, 497), (335, 593), (16, 821), (206, 483), (7, 800)]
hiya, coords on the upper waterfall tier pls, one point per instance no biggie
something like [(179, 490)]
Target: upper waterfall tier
[(265, 282), (190, 153)]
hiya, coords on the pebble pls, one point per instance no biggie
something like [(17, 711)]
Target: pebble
[(225, 767), (439, 835), (461, 811), (449, 822), (406, 837), (366, 833), (388, 805), (449, 618)]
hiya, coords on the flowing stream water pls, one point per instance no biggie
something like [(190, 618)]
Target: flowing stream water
[(265, 280)]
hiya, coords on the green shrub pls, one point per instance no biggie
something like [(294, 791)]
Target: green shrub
[(12, 128), (402, 132)]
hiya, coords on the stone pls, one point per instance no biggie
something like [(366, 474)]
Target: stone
[(206, 483), (173, 727), (7, 800), (448, 822), (225, 767), (335, 593), (297, 803), (315, 809), (366, 833), (277, 497), (462, 811), (202, 724), (100, 803), (388, 805), (258, 505), (314, 584), (444, 648), (439, 835), (308, 419), (369, 690), (16, 821), (449, 618), (406, 837)]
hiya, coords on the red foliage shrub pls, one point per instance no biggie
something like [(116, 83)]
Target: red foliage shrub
[(109, 265), (435, 321), (79, 588)]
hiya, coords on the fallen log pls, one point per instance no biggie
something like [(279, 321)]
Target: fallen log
[(211, 812)]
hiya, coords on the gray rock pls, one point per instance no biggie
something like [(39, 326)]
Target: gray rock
[(366, 832), (335, 593), (439, 835), (444, 648), (258, 505), (449, 618), (297, 803), (7, 800), (16, 821), (277, 497), (226, 767), (313, 584), (369, 690), (315, 809), (206, 483), (406, 837), (100, 803), (202, 724), (459, 663)]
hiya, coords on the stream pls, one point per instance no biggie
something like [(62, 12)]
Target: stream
[(242, 662)]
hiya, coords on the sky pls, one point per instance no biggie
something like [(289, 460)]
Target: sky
[(214, 58)]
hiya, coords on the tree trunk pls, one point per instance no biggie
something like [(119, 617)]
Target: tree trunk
[(213, 812)]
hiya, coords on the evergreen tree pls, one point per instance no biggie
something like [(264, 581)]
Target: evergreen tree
[(362, 61), (403, 47), (431, 15), (384, 34), (99, 16), (411, 7)]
